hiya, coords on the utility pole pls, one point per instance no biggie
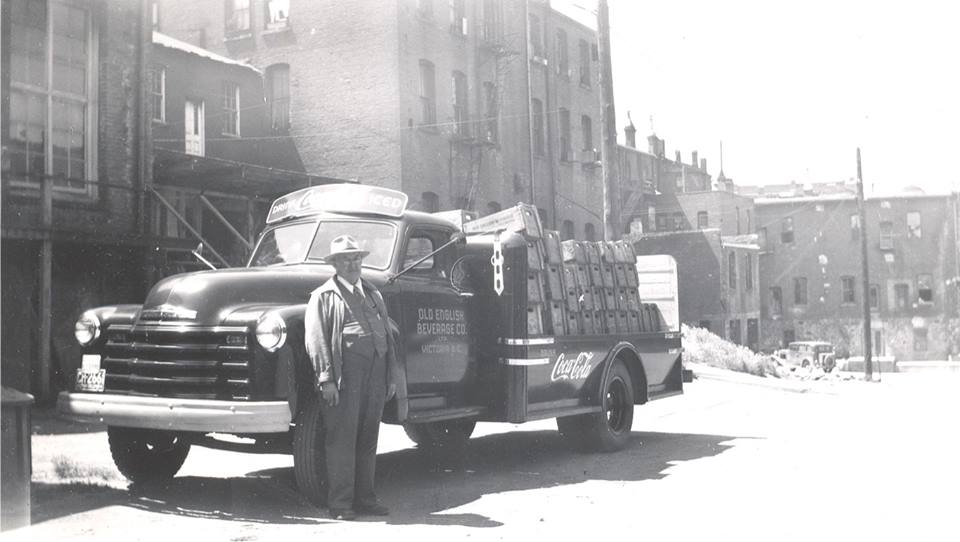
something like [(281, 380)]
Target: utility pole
[(530, 119), (608, 121), (862, 213)]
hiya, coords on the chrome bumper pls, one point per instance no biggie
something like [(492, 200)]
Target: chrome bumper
[(200, 415)]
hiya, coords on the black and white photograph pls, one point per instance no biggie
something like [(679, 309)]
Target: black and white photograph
[(479, 270)]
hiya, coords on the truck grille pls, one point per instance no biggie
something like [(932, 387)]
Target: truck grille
[(162, 360)]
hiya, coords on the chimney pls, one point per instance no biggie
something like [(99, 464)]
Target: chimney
[(679, 160), (694, 161), (630, 133), (703, 164), (656, 146)]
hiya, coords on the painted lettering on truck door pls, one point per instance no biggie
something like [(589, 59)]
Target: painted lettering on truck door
[(435, 319)]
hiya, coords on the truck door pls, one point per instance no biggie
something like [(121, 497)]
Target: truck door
[(435, 323)]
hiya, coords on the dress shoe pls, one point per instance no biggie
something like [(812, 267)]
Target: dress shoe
[(344, 514), (372, 509)]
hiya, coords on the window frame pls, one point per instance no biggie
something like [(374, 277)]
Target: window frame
[(703, 220), (161, 71), (732, 270), (566, 146), (787, 235), (279, 116), (89, 102), (231, 116), (536, 116), (585, 68), (775, 305), (846, 299), (230, 13), (925, 279), (460, 103), (269, 23), (428, 93), (491, 111), (914, 231), (800, 286)]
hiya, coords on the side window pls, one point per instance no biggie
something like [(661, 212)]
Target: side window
[(419, 246)]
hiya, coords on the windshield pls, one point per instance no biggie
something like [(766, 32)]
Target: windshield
[(304, 241)]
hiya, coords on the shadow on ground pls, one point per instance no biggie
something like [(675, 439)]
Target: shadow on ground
[(46, 421), (417, 486)]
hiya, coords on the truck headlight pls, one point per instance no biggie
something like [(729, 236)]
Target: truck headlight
[(271, 332), (87, 328)]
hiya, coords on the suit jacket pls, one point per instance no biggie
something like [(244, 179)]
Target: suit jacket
[(323, 327)]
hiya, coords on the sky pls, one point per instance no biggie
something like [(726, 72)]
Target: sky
[(792, 89)]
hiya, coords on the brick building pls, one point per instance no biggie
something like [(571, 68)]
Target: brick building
[(218, 160), (812, 280), (462, 104), (75, 160)]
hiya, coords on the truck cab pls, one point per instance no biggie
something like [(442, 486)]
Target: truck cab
[(486, 326)]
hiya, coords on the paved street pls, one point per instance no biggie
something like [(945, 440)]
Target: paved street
[(736, 458)]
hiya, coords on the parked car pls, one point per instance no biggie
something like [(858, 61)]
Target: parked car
[(809, 354)]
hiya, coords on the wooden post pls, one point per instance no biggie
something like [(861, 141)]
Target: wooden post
[(865, 267), (611, 220), (46, 288)]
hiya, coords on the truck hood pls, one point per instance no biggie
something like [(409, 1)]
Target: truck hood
[(234, 295)]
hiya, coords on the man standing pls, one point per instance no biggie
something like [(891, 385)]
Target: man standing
[(350, 346)]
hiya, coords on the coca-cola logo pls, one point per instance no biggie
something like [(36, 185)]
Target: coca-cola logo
[(572, 369)]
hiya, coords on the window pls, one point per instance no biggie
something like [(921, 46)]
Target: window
[(537, 107), (925, 288), (913, 225), (490, 112), (278, 97), (158, 99), (589, 232), (749, 221), (458, 18), (429, 202), (732, 270), (586, 127), (920, 339), (418, 246), (678, 221), (901, 296), (536, 37), (748, 271), (565, 135), (874, 297), (776, 301), (428, 94), (734, 334), (236, 15), (738, 220), (703, 220), (886, 234), (193, 121), (584, 63), (786, 230), (277, 14), (800, 290), (231, 108), (425, 8), (460, 110), (493, 207), (848, 294), (490, 29), (155, 15), (567, 230), (563, 55), (854, 227), (52, 68)]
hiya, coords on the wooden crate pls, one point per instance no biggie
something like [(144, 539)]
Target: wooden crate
[(610, 321), (605, 248), (552, 248), (593, 252), (588, 301), (623, 322), (587, 323), (534, 256), (534, 319), (558, 317), (633, 299), (630, 272), (606, 272), (554, 281), (620, 273), (573, 251), (535, 287), (573, 323), (610, 299), (595, 274), (633, 321)]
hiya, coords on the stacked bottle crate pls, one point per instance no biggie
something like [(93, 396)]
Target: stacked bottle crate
[(546, 295)]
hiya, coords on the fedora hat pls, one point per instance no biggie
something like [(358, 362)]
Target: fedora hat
[(345, 245)]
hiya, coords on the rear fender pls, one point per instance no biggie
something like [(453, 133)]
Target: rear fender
[(626, 353)]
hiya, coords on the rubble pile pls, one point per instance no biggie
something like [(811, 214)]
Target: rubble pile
[(701, 346)]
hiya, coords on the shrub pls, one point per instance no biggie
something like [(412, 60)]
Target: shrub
[(701, 346)]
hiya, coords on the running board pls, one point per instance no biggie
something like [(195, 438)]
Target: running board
[(437, 415)]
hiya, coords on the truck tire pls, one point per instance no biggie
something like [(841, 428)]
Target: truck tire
[(309, 453), (609, 430), (452, 434), (147, 455)]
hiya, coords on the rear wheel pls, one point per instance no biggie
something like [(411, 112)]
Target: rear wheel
[(451, 434), (309, 453), (608, 430), (147, 455)]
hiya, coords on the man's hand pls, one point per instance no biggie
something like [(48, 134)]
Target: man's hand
[(391, 391), (330, 393)]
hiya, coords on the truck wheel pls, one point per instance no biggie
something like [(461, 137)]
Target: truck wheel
[(609, 430), (309, 453), (448, 434), (147, 455)]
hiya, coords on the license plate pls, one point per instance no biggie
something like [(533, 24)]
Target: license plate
[(90, 377), (91, 381)]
